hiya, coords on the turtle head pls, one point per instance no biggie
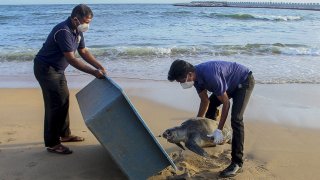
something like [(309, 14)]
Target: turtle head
[(174, 135)]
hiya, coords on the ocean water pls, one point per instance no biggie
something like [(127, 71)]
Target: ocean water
[(141, 40)]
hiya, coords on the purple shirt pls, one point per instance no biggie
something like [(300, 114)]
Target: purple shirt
[(61, 39), (219, 76)]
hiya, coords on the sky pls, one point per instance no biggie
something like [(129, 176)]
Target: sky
[(4, 2)]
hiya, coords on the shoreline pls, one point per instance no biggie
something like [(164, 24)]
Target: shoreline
[(285, 104)]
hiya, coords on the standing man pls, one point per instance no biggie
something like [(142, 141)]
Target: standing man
[(224, 80), (56, 54)]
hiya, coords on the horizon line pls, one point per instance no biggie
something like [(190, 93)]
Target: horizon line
[(77, 3)]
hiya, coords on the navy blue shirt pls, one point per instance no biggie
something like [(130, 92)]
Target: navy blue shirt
[(61, 39), (219, 76)]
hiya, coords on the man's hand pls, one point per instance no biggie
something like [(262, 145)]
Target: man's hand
[(103, 70), (218, 136), (99, 74)]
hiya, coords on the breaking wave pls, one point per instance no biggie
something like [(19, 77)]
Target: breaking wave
[(214, 50), (181, 51), (256, 17)]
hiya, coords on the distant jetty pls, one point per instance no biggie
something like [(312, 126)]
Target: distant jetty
[(273, 5)]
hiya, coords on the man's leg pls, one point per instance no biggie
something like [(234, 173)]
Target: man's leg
[(56, 100), (58, 107), (66, 128), (212, 111), (240, 98)]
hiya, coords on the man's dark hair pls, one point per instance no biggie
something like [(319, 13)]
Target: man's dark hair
[(179, 70), (81, 11)]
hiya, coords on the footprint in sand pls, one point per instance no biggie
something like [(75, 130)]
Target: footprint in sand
[(11, 139), (185, 176), (11, 132), (32, 164), (223, 158), (258, 169), (261, 168), (264, 171)]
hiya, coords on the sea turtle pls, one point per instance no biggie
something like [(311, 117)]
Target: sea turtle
[(193, 132)]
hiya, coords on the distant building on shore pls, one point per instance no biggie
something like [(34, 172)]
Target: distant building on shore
[(274, 5)]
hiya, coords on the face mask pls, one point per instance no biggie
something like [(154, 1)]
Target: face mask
[(83, 27), (187, 84)]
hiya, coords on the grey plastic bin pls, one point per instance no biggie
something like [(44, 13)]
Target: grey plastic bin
[(114, 121)]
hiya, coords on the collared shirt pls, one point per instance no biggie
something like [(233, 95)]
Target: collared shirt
[(219, 76), (61, 39)]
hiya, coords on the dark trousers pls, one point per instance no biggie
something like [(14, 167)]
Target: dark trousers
[(56, 102), (240, 98)]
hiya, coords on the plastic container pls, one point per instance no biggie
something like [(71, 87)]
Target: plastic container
[(116, 124)]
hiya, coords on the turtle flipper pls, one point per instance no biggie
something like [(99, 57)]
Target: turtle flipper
[(180, 145), (194, 147)]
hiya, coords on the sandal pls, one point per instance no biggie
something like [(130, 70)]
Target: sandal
[(71, 139), (59, 149)]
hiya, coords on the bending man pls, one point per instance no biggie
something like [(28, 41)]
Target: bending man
[(224, 80)]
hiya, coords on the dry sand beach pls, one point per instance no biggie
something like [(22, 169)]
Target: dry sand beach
[(274, 149)]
